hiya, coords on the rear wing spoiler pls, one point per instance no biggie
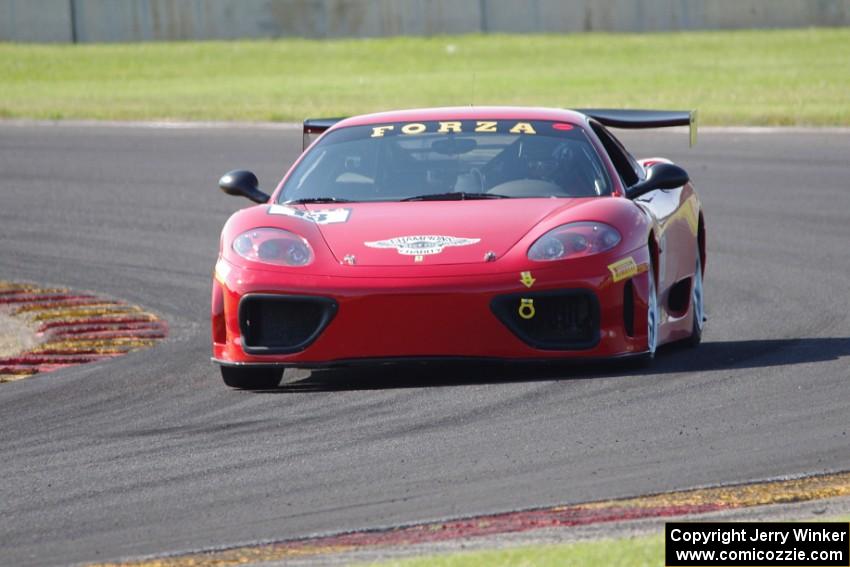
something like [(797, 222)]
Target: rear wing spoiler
[(315, 127), (613, 117), (633, 119)]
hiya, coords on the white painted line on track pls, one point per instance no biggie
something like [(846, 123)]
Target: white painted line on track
[(749, 130), (184, 125), (153, 125)]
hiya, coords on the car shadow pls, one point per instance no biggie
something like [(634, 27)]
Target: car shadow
[(671, 359)]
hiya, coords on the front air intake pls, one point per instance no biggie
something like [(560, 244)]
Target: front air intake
[(280, 324), (551, 320)]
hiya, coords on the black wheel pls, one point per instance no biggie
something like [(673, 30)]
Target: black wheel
[(251, 378), (697, 305)]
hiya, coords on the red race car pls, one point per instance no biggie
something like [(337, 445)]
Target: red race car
[(492, 233)]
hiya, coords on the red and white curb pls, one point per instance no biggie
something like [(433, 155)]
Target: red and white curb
[(73, 328), (658, 506)]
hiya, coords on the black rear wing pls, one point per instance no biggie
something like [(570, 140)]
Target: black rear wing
[(624, 118), (613, 117), (313, 128)]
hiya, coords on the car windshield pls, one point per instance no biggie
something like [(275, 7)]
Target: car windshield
[(449, 160)]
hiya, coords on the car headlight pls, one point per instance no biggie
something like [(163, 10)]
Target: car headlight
[(574, 240), (273, 246)]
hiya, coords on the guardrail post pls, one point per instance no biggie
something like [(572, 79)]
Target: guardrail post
[(73, 9)]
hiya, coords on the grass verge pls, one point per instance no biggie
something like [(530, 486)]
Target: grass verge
[(646, 551), (778, 77), (642, 551)]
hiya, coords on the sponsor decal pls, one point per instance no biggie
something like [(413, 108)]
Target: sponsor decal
[(623, 269), (323, 216), (454, 126), (421, 245), (526, 308), (526, 279)]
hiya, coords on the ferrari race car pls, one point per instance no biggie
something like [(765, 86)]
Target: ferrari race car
[(493, 233)]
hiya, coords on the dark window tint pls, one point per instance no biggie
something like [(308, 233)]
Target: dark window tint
[(403, 160), (628, 168)]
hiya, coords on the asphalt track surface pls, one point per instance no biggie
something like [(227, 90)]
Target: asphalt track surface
[(151, 453)]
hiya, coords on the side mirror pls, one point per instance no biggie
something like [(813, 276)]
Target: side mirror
[(241, 183), (659, 176)]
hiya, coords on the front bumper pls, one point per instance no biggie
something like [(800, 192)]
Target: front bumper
[(379, 318)]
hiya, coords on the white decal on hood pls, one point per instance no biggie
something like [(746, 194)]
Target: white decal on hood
[(421, 245), (323, 216)]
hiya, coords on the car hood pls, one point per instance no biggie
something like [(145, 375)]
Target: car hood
[(430, 233)]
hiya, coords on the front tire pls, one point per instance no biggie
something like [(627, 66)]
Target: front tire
[(645, 359), (697, 305), (652, 316), (251, 378)]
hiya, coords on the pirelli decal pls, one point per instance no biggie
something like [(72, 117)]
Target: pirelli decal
[(454, 126), (623, 269)]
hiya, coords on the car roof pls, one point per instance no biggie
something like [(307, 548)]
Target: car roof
[(466, 113)]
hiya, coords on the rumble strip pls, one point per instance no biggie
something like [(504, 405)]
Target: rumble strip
[(73, 328), (666, 505)]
